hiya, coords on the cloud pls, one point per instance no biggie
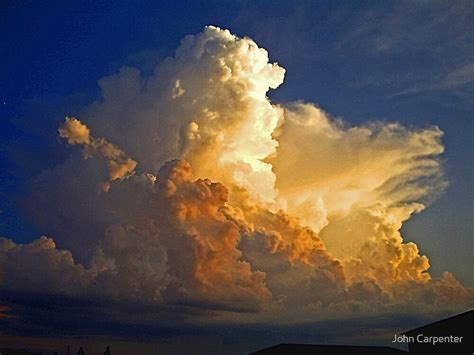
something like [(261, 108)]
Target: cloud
[(119, 165), (206, 105), (38, 267), (325, 169), (233, 206), (410, 27), (178, 227), (4, 312), (455, 78), (172, 246)]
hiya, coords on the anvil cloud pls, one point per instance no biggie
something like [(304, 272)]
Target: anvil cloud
[(205, 194)]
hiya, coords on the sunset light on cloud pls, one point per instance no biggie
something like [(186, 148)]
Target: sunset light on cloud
[(215, 198), (222, 177)]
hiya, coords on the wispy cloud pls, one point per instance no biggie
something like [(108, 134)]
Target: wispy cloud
[(453, 79), (406, 26), (409, 47), (4, 312)]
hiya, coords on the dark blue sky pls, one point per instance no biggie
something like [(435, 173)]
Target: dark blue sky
[(411, 62)]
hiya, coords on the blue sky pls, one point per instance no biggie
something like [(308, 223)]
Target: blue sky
[(410, 62)]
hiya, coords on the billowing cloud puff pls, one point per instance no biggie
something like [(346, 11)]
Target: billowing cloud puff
[(40, 267), (194, 240), (206, 105), (173, 245), (231, 202), (119, 165)]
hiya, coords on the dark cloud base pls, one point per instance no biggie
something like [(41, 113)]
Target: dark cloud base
[(61, 320)]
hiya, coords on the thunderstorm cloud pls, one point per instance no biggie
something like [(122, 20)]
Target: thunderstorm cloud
[(203, 193)]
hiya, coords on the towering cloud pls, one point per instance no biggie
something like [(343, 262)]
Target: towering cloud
[(207, 105), (231, 202)]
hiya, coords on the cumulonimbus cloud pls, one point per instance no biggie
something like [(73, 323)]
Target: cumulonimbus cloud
[(219, 199)]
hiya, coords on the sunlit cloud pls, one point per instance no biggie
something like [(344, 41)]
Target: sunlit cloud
[(205, 194)]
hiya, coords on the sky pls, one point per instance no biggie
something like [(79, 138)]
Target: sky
[(349, 161)]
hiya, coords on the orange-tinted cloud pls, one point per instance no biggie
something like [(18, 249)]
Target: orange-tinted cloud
[(232, 202), (4, 312), (119, 165)]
